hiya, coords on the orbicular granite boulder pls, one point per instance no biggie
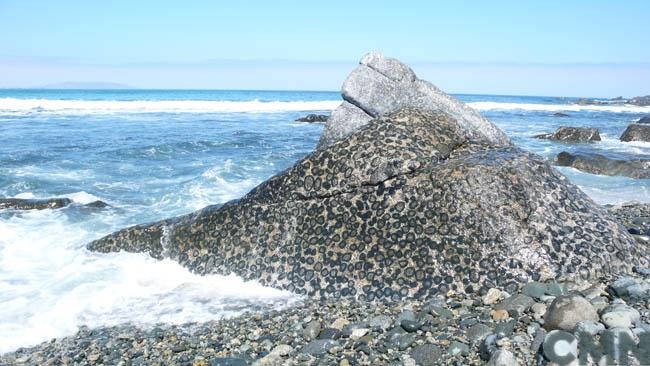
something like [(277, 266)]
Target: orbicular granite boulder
[(410, 205), (636, 132), (381, 85), (572, 134), (603, 165)]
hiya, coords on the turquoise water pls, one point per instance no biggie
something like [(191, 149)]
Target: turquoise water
[(152, 154)]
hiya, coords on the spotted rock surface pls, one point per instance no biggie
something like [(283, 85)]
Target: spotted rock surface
[(408, 206)]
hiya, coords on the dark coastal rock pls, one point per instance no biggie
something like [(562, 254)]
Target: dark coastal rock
[(560, 114), (636, 132), (572, 134), (642, 101), (97, 204), (33, 204), (381, 85), (408, 206), (644, 120), (600, 164), (312, 118)]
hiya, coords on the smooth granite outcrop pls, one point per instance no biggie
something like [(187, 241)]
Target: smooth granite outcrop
[(381, 85)]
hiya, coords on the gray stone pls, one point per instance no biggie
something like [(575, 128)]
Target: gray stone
[(410, 325), (590, 327), (319, 346), (536, 290), (644, 120), (505, 328), (228, 361), (402, 341), (382, 322), (426, 354), (503, 357), (600, 164), (477, 332), (561, 344), (516, 305), (381, 85), (312, 329), (566, 311), (344, 120), (620, 315), (458, 348), (572, 134), (636, 132)]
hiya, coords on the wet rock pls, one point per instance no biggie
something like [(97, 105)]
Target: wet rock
[(560, 114), (566, 311), (503, 357), (382, 85), (426, 354), (97, 204), (636, 132), (572, 134), (311, 118), (644, 120), (600, 164), (33, 204)]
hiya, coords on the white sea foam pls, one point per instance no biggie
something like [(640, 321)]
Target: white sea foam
[(43, 259), (487, 106), (14, 105)]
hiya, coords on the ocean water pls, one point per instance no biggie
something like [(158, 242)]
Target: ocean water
[(156, 154)]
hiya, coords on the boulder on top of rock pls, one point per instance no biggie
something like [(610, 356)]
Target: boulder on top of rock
[(644, 120), (380, 85), (603, 165), (572, 134), (33, 204), (312, 118), (636, 132), (408, 206)]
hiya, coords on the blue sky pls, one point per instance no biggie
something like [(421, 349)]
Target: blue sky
[(594, 48)]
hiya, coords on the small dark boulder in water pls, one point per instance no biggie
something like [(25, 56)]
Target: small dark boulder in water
[(33, 204), (644, 120), (572, 134), (636, 132), (560, 114), (600, 164), (312, 118), (97, 204)]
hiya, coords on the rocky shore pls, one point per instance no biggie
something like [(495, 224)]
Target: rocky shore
[(451, 329), (417, 234)]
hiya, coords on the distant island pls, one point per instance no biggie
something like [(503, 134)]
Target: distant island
[(85, 85)]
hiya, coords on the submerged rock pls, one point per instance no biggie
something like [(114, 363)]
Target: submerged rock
[(560, 114), (572, 134), (600, 164), (381, 85), (408, 206), (312, 118), (33, 204), (636, 132)]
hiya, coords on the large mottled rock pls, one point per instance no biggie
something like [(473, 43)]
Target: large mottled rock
[(410, 205), (636, 132), (572, 134), (33, 204), (381, 85), (603, 165)]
